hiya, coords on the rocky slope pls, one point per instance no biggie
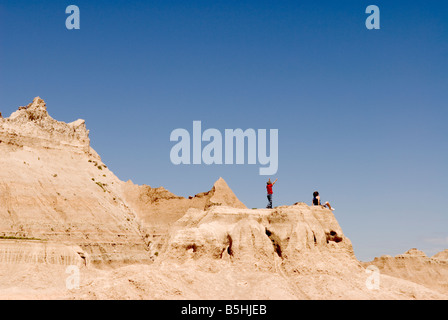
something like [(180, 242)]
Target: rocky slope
[(290, 252), (60, 206), (257, 237), (54, 189), (415, 266), (159, 209)]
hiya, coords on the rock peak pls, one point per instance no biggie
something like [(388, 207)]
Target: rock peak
[(35, 111), (442, 255), (37, 103), (415, 252), (221, 183), (33, 127), (222, 194)]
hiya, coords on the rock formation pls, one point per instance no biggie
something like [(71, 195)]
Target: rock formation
[(441, 256), (290, 252), (415, 266), (60, 205), (257, 237), (32, 126), (55, 189), (159, 209)]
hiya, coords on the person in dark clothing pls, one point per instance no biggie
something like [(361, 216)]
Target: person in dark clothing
[(269, 186), (316, 201)]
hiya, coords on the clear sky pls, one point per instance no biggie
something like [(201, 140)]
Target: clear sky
[(361, 113)]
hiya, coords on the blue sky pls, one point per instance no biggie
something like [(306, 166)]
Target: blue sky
[(361, 113)]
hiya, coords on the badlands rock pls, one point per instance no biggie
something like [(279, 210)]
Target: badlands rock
[(60, 205), (32, 252), (290, 252), (415, 266), (32, 126), (257, 237), (441, 256), (55, 191), (159, 209)]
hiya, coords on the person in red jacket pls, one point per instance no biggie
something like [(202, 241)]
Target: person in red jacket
[(269, 186)]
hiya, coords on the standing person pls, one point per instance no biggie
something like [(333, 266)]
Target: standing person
[(269, 186), (316, 201)]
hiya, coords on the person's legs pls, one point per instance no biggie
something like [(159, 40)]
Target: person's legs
[(327, 204), (269, 206)]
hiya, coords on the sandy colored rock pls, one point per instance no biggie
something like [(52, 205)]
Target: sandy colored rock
[(415, 266), (61, 207), (54, 188), (296, 237), (159, 209), (442, 255)]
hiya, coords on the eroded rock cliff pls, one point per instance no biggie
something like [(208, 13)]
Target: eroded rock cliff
[(60, 205)]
